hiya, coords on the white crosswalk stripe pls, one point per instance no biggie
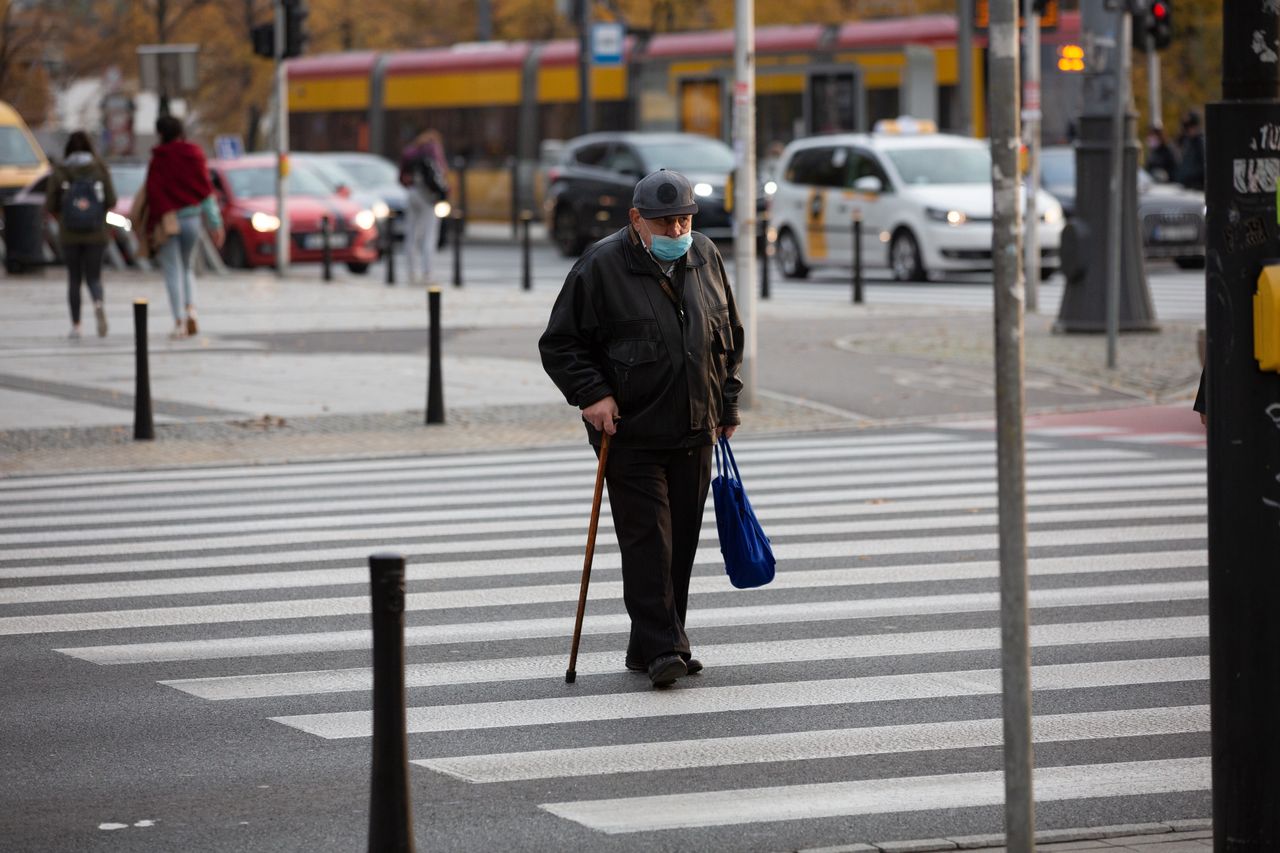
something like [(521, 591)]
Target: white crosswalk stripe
[(878, 641)]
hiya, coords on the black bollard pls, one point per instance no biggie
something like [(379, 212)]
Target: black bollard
[(456, 228), (144, 426), (765, 255), (526, 219), (390, 808), (435, 385), (389, 245), (857, 257), (513, 163), (460, 165), (326, 247)]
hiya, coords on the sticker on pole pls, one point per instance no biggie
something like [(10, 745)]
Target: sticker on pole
[(1030, 100), (606, 43)]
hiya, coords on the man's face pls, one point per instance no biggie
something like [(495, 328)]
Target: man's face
[(667, 226)]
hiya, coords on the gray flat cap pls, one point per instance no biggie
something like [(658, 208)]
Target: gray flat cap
[(664, 193)]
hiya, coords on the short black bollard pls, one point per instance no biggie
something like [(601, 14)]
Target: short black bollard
[(765, 256), (857, 257), (526, 220), (144, 427), (456, 228), (460, 165), (435, 385), (326, 247), (390, 808), (389, 245), (513, 163)]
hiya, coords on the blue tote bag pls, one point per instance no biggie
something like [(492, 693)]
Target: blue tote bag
[(748, 557)]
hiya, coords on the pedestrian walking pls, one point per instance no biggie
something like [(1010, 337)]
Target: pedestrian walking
[(424, 172), (79, 195), (179, 201), (1162, 163), (1191, 161), (644, 338)]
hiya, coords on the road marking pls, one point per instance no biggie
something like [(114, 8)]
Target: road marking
[(644, 702), (276, 684), (811, 745), (880, 796)]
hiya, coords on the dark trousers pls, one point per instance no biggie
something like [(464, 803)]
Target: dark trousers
[(84, 265), (657, 497)]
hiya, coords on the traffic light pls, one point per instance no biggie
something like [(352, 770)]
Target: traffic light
[(295, 27), (264, 40), (1154, 19)]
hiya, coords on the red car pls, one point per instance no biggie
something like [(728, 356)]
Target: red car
[(246, 190)]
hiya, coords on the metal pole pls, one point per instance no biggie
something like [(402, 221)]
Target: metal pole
[(389, 245), (326, 248), (584, 66), (1153, 85), (1031, 130), (457, 247), (857, 257), (144, 427), (514, 164), (765, 256), (435, 384), (964, 44), (1015, 658), (390, 807), (282, 145), (1115, 200), (1243, 405), (744, 202), (526, 252)]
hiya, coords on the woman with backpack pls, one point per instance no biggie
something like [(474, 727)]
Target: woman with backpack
[(424, 174), (79, 195)]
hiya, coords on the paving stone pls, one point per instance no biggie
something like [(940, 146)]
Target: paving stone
[(923, 845)]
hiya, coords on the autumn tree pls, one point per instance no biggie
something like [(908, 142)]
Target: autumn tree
[(30, 35)]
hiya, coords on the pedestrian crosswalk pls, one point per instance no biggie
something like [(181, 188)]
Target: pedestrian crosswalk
[(854, 699)]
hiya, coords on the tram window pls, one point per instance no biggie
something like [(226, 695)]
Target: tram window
[(832, 103)]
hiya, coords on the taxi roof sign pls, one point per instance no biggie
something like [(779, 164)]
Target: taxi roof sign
[(905, 125)]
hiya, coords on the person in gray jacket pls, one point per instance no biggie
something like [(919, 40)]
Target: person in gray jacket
[(79, 195), (645, 340)]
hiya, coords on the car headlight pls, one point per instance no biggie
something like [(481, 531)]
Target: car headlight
[(264, 222), (702, 189), (770, 187), (442, 209), (951, 217), (365, 220), (115, 220), (1052, 215), (380, 209)]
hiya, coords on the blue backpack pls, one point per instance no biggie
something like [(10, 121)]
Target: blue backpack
[(83, 208)]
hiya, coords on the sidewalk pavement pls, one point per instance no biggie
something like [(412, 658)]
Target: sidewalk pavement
[(285, 370), (1180, 836)]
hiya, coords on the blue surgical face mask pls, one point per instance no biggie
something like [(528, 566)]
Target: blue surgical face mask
[(671, 248)]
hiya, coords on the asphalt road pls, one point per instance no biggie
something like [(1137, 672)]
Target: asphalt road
[(185, 653)]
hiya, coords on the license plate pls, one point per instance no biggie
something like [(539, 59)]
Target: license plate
[(316, 241), (1174, 233)]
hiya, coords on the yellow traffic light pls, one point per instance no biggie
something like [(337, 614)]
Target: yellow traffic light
[(1070, 57)]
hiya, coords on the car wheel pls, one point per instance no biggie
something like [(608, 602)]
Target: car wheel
[(566, 234), (789, 256), (358, 268), (904, 258), (233, 253), (1190, 263)]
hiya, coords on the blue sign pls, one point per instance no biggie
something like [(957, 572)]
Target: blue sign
[(228, 147), (606, 43)]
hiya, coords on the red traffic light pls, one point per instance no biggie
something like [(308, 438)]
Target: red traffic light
[(1159, 11)]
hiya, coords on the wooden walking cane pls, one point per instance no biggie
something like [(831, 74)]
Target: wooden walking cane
[(571, 674)]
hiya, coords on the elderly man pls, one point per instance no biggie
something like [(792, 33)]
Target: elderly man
[(645, 339)]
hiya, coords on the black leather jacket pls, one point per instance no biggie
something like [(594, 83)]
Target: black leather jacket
[(673, 368)]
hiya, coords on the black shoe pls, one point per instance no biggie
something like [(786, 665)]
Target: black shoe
[(665, 669), (692, 666), (635, 665)]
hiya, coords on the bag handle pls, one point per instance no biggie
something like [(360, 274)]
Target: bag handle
[(722, 448)]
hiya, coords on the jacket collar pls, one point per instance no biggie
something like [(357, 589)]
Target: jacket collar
[(639, 260)]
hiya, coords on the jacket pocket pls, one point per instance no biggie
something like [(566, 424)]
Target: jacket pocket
[(634, 364)]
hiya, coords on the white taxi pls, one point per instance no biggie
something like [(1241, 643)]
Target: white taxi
[(925, 200)]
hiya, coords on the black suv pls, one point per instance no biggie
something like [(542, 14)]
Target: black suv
[(589, 191)]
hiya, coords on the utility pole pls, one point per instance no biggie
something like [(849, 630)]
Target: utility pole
[(1243, 401), (1031, 131), (584, 66), (1153, 84), (744, 202), (964, 44), (1015, 657), (1115, 197), (282, 143)]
